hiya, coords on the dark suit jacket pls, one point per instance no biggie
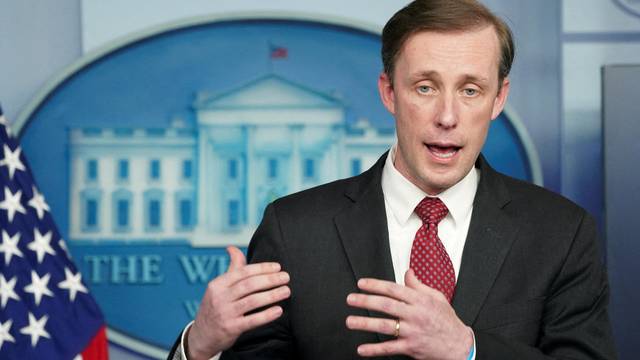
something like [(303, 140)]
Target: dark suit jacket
[(531, 283)]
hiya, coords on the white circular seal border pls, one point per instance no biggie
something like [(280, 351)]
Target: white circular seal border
[(630, 9), (137, 345)]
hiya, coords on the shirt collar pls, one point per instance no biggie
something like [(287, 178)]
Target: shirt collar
[(402, 196)]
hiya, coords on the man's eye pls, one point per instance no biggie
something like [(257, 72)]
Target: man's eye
[(470, 92), (424, 89)]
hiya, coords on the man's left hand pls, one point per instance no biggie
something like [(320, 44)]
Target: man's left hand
[(429, 327)]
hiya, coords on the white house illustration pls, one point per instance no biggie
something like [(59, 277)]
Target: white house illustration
[(209, 183)]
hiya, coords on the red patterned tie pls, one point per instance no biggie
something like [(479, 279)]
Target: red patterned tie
[(429, 258)]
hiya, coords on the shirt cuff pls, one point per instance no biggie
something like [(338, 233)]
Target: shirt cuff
[(182, 347), (472, 352)]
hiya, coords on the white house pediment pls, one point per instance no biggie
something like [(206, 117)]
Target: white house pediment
[(269, 92)]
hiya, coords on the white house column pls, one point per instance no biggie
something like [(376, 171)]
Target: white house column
[(296, 162), (203, 228), (252, 201), (342, 163)]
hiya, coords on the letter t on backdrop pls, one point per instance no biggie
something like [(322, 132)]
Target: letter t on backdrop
[(46, 312)]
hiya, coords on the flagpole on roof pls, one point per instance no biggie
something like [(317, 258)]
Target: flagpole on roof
[(276, 52), (270, 58)]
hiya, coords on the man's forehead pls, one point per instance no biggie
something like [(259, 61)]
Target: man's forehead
[(488, 32), (478, 43)]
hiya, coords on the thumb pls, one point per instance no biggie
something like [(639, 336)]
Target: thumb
[(237, 258), (411, 280)]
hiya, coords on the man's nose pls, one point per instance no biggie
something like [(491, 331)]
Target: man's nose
[(448, 115)]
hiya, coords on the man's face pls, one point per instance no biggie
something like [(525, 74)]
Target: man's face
[(443, 97)]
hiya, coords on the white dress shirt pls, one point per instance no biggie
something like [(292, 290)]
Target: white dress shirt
[(400, 199)]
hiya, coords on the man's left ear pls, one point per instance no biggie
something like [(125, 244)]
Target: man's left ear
[(501, 99)]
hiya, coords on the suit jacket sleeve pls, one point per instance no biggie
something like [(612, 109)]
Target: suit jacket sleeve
[(271, 341), (575, 320)]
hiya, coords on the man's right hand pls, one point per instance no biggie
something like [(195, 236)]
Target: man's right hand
[(222, 315)]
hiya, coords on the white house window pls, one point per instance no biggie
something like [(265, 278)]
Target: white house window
[(233, 213), (185, 209), (232, 169), (309, 169), (123, 213), (154, 213), (90, 203), (187, 169), (123, 169), (153, 209), (356, 167), (122, 210), (185, 213), (272, 168), (92, 213), (154, 169), (92, 170)]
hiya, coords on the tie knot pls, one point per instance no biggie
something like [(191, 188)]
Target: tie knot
[(431, 210)]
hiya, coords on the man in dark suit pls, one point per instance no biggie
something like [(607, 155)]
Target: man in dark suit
[(429, 254)]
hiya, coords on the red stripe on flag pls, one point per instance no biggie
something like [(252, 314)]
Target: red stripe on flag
[(279, 53), (97, 348)]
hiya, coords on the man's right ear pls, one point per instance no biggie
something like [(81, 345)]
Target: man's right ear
[(385, 87)]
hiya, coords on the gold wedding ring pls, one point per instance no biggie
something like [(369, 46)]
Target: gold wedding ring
[(397, 334)]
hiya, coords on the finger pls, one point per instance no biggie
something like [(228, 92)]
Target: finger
[(412, 281), (256, 283), (260, 318), (233, 276), (370, 324), (261, 299), (383, 304), (388, 288), (392, 347), (237, 258)]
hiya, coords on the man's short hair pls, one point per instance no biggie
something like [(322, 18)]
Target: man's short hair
[(443, 16)]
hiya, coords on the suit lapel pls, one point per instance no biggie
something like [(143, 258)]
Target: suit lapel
[(362, 227), (489, 240)]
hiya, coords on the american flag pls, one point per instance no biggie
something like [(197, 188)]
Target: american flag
[(46, 309), (278, 52)]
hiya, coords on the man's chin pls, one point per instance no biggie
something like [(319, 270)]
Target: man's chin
[(434, 185)]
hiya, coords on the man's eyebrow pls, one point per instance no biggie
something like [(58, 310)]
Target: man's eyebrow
[(474, 79), (421, 75), (434, 75)]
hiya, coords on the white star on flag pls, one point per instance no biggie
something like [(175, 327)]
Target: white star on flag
[(41, 244), (36, 329), (37, 202), (9, 246), (38, 286), (12, 160), (5, 335), (7, 290), (42, 283), (73, 283), (12, 203)]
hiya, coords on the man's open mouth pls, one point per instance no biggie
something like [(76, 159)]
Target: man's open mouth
[(443, 151)]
